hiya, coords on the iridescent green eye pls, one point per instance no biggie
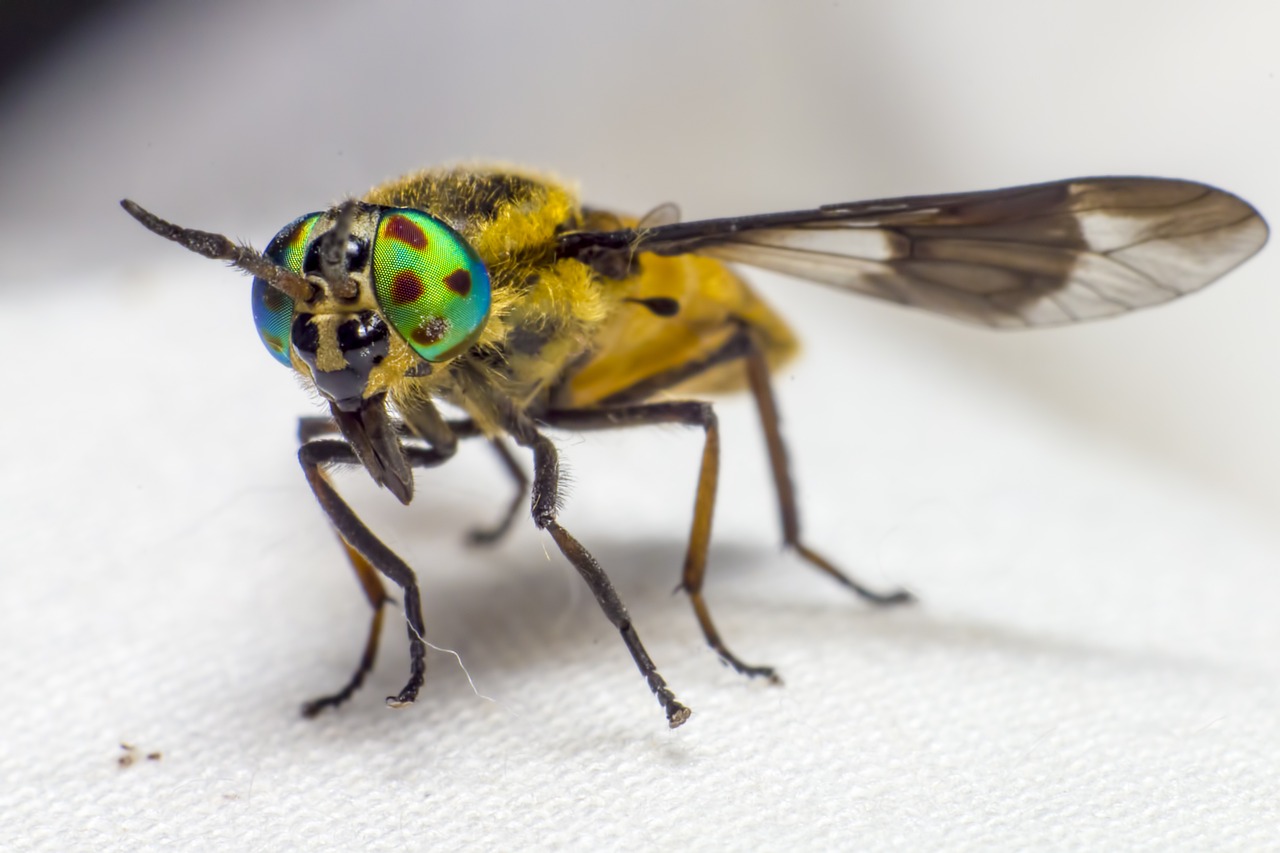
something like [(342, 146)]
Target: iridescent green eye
[(272, 310), (429, 283)]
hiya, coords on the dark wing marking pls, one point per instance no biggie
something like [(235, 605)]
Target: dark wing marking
[(1038, 255)]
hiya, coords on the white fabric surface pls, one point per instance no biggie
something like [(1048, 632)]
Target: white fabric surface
[(1094, 662)]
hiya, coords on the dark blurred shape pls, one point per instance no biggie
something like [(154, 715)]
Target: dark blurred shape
[(29, 30)]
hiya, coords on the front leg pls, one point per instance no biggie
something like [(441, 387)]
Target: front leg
[(368, 552), (546, 490), (310, 427)]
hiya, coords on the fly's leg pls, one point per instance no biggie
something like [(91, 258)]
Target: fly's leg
[(741, 345), (368, 553), (688, 413), (318, 426), (762, 390), (377, 596), (490, 535), (315, 427), (546, 489)]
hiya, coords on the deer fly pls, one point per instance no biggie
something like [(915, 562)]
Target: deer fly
[(497, 292)]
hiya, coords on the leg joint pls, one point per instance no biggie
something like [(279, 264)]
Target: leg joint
[(329, 451)]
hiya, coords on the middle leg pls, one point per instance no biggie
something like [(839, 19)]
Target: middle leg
[(546, 500), (689, 413)]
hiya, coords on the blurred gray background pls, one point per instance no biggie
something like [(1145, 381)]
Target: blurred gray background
[(1087, 513), (238, 116)]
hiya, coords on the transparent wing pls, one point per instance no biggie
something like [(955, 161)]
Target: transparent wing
[(1038, 255)]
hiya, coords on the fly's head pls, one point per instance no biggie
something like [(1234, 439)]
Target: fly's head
[(358, 299), (395, 291)]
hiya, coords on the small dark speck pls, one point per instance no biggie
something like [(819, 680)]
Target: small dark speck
[(132, 754)]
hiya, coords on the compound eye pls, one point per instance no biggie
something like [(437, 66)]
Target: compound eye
[(272, 310), (430, 284)]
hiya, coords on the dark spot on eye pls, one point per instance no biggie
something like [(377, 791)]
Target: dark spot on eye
[(459, 281), (406, 287), (377, 359), (274, 300), (430, 331), (406, 231), (274, 343)]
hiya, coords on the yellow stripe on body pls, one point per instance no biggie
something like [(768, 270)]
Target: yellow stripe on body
[(635, 344)]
